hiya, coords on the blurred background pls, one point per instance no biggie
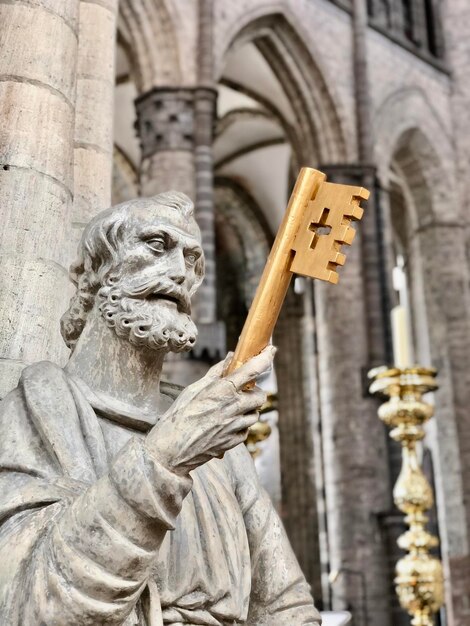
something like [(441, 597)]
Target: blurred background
[(226, 100)]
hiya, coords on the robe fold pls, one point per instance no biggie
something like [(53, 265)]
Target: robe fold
[(95, 531)]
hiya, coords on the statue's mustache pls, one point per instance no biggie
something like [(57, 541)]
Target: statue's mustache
[(159, 287)]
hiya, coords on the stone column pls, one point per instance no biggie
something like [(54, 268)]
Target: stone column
[(357, 485), (297, 420), (361, 82), (441, 247), (176, 128), (205, 106), (445, 253), (93, 154), (205, 116), (38, 40), (165, 125), (211, 331), (356, 481), (374, 255)]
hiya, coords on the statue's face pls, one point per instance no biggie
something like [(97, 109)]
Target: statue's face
[(146, 298)]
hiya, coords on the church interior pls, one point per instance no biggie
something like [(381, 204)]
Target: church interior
[(226, 101)]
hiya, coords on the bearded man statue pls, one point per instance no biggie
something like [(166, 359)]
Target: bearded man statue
[(123, 500)]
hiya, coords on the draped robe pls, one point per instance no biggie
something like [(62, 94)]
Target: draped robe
[(95, 531)]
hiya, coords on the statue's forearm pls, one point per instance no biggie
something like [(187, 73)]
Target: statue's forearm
[(93, 563)]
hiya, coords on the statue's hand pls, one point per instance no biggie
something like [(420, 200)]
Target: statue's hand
[(210, 416)]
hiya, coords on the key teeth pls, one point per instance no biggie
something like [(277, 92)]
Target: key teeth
[(348, 237), (362, 194), (356, 212), (340, 258), (333, 277)]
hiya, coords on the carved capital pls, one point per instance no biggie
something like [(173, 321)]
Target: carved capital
[(165, 120), (175, 118)]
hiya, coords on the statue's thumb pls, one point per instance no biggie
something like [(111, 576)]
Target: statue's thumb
[(218, 369)]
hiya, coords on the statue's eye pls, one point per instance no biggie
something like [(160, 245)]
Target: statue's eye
[(191, 258), (157, 244)]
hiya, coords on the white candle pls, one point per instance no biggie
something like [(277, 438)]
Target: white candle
[(402, 352)]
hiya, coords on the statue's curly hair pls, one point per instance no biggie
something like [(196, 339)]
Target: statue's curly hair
[(98, 258)]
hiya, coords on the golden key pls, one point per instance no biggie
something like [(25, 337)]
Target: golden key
[(317, 223)]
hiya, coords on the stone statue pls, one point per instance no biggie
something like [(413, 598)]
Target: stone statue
[(124, 500)]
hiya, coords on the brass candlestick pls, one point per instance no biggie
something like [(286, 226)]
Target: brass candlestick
[(419, 578), (261, 430)]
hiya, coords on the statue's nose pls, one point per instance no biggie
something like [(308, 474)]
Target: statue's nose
[(177, 268), (178, 279)]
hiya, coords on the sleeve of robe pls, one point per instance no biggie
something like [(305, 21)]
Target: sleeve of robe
[(77, 537), (280, 594)]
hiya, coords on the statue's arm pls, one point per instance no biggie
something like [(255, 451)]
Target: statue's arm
[(98, 555), (280, 594), (85, 559), (89, 557)]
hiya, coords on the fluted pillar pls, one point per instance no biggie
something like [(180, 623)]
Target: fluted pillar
[(93, 140), (38, 42)]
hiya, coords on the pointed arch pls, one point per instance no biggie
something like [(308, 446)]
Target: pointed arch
[(288, 51), (148, 31), (409, 131), (238, 212)]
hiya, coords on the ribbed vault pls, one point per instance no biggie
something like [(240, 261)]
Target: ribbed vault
[(148, 30)]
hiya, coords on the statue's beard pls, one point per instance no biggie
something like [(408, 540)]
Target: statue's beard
[(147, 317)]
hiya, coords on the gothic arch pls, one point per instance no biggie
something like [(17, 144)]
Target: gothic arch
[(148, 31), (290, 54), (417, 178), (419, 165), (408, 130), (237, 211)]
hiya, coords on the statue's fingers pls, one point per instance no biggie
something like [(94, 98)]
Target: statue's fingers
[(217, 370), (242, 423), (234, 439), (253, 368), (241, 437), (250, 401)]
